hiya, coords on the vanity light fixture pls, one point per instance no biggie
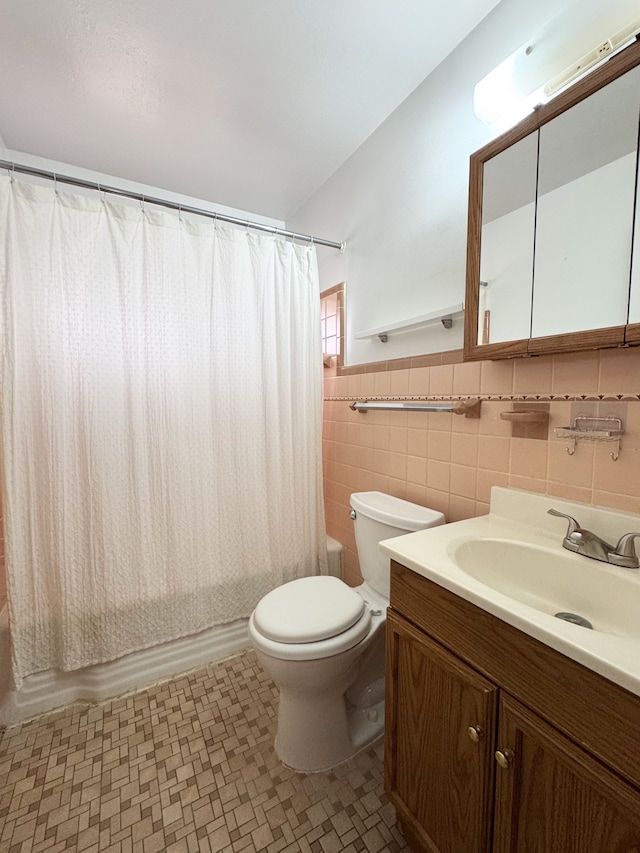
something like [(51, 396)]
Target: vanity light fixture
[(593, 58), (567, 47)]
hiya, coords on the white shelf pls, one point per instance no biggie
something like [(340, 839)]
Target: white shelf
[(444, 314)]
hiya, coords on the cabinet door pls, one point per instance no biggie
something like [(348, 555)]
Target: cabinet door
[(552, 796), (437, 776)]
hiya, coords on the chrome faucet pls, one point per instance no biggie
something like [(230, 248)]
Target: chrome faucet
[(589, 545)]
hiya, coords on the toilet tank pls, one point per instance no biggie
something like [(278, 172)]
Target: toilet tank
[(377, 516)]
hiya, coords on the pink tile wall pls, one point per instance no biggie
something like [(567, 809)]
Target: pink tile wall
[(450, 462)]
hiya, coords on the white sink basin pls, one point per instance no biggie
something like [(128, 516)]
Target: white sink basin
[(553, 582), (511, 563)]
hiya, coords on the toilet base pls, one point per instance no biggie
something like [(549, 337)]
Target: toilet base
[(330, 708), (366, 724), (339, 733)]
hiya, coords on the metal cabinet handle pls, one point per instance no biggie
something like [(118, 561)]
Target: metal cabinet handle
[(504, 757), (475, 733)]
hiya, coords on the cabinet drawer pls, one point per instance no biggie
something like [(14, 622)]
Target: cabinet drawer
[(595, 713)]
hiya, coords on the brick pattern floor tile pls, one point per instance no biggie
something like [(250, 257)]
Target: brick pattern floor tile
[(183, 767)]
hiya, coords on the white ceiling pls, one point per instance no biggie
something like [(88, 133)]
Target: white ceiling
[(249, 103)]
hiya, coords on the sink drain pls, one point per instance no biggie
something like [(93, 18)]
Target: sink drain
[(574, 619)]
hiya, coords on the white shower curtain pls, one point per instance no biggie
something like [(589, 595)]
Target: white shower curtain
[(161, 417)]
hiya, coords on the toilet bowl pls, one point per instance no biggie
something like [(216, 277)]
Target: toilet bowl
[(322, 643)]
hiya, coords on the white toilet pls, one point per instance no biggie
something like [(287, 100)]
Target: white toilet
[(322, 643)]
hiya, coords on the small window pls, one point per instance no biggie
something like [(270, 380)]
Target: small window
[(332, 318)]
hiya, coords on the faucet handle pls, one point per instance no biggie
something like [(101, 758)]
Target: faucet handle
[(573, 538), (625, 553), (573, 524)]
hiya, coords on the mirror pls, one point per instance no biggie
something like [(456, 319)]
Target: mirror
[(508, 228), (584, 225), (551, 223), (633, 335)]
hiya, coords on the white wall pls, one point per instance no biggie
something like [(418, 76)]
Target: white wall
[(400, 201), (72, 171)]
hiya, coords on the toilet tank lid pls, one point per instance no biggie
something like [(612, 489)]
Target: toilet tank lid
[(395, 511)]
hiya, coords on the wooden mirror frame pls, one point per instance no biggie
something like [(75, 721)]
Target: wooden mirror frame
[(611, 336)]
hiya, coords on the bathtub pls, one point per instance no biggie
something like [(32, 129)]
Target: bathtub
[(45, 691)]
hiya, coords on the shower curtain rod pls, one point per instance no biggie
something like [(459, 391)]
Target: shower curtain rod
[(11, 167)]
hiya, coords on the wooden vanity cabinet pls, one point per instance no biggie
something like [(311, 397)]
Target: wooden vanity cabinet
[(464, 688), (554, 796), (442, 781)]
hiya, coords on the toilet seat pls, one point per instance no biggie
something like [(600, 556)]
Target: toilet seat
[(308, 610), (315, 620)]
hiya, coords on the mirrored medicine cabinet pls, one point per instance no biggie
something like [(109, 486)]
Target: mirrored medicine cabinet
[(553, 252)]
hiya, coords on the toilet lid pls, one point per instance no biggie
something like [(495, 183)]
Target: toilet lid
[(308, 610)]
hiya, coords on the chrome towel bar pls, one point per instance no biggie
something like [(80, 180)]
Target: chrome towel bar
[(469, 408)]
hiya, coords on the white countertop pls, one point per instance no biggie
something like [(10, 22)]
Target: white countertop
[(522, 517)]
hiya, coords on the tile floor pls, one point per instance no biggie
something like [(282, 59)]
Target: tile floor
[(186, 766)]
